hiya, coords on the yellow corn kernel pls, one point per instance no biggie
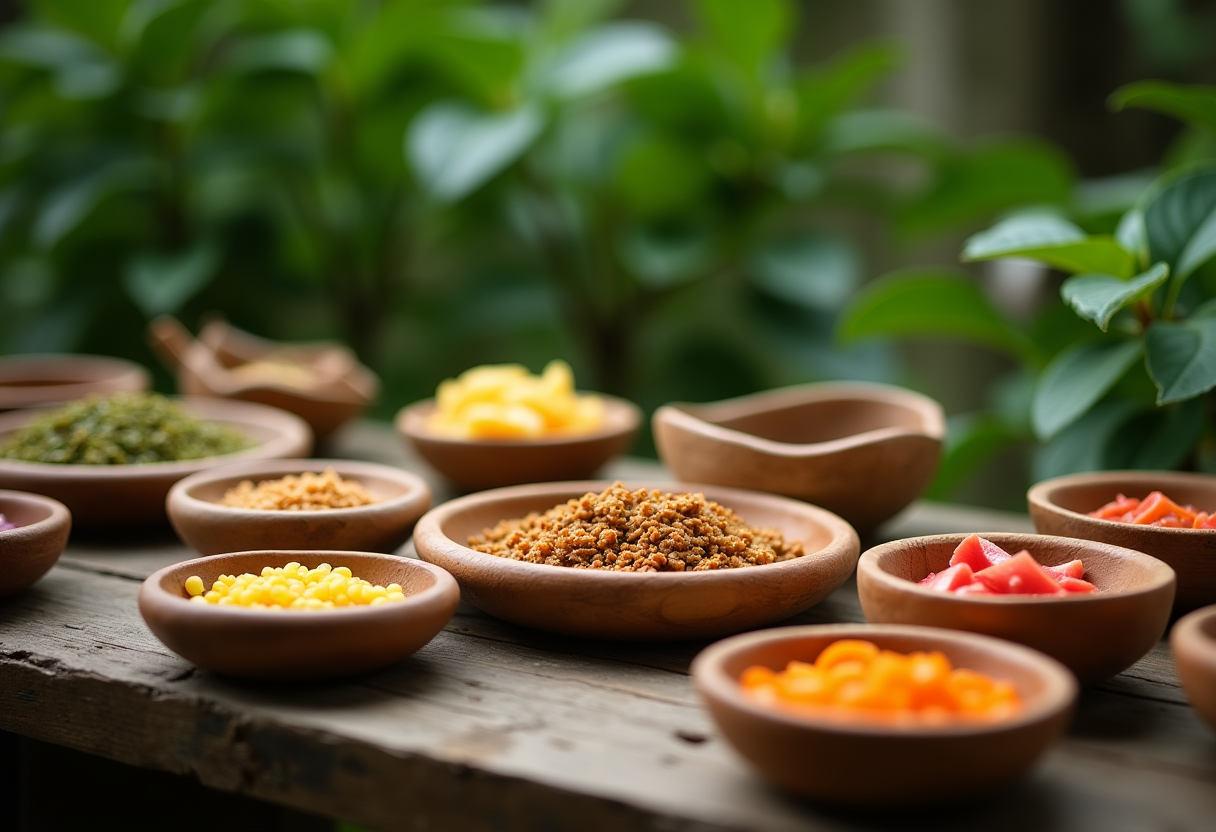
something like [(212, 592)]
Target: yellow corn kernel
[(212, 597), (198, 599), (393, 588), (194, 585), (344, 571)]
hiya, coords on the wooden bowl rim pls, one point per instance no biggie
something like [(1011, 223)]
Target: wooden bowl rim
[(621, 417), (1191, 641), (1042, 495), (57, 514), (1059, 693), (71, 376)]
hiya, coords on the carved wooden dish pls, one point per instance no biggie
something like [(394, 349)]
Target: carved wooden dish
[(30, 550)]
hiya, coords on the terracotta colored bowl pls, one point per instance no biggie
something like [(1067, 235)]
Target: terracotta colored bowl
[(30, 550), (641, 606), (863, 451), (298, 644), (40, 380), (1193, 641), (1096, 635), (382, 526), (854, 762), (101, 496), (1060, 506), (474, 465)]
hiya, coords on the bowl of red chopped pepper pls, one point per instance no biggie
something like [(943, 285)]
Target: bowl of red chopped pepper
[(1095, 607), (1166, 514)]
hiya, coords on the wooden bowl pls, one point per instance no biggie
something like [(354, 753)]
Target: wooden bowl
[(1061, 505), (863, 451), (1095, 635), (474, 465), (41, 380), (1193, 641), (640, 606), (211, 528), (857, 762), (30, 550), (298, 644), (110, 496)]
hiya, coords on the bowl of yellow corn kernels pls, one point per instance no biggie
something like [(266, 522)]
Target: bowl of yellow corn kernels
[(294, 615), (499, 425)]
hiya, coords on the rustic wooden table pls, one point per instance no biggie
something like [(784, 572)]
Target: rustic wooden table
[(493, 726)]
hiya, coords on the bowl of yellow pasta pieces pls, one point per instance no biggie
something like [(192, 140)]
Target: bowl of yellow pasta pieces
[(499, 425)]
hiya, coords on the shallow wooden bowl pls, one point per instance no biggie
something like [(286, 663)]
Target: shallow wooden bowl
[(474, 465), (382, 526), (40, 380), (1095, 635), (110, 496), (1061, 505), (1193, 641), (641, 606), (298, 644), (30, 550), (863, 451), (856, 762)]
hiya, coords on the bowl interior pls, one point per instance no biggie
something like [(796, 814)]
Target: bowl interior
[(1089, 494), (381, 485), (822, 421), (620, 416), (24, 512)]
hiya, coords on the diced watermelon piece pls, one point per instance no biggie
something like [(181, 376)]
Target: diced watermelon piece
[(950, 579), (1019, 575), (1156, 507), (1072, 569), (1071, 584), (1117, 509), (975, 588), (1203, 520), (978, 553)]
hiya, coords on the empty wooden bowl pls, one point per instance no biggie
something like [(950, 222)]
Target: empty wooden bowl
[(642, 606), (382, 526), (112, 496), (856, 762), (1095, 635), (863, 451), (30, 550), (1061, 505), (298, 644), (474, 465), (41, 380), (1193, 641)]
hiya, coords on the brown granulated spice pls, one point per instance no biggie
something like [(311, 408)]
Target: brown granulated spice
[(636, 531), (307, 492)]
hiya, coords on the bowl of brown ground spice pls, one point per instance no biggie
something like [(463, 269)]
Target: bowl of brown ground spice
[(298, 504), (638, 561)]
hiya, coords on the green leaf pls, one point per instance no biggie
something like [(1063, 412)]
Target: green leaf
[(1181, 356), (82, 71), (934, 304), (1196, 105), (1084, 445), (812, 270), (67, 206), (161, 283), (860, 131), (607, 56), (750, 32), (1051, 240), (298, 50), (485, 62), (1097, 297), (1076, 379), (658, 176), (455, 149), (1173, 433), (971, 440), (827, 91), (662, 257), (1180, 224)]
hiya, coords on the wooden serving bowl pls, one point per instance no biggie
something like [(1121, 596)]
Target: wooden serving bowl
[(41, 380), (1193, 641), (853, 761), (638, 606), (1061, 505), (30, 550), (382, 526), (298, 644), (123, 496), (474, 465), (1095, 635), (863, 451)]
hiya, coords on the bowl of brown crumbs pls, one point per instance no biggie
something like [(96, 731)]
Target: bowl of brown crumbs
[(298, 504), (643, 562)]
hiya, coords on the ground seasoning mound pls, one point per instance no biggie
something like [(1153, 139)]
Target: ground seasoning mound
[(636, 531), (307, 492)]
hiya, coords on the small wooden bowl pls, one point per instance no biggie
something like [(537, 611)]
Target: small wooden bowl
[(382, 526), (863, 451), (298, 644), (1095, 635), (638, 606), (1061, 505), (856, 762), (41, 380), (110, 496), (474, 465), (30, 550), (1193, 641)]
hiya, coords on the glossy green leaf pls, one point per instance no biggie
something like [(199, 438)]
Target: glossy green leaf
[(81, 70), (608, 55), (1085, 444), (161, 283), (484, 60), (1194, 104), (933, 304), (1076, 379), (1172, 434), (67, 206), (972, 439), (1180, 223), (816, 271), (1133, 236), (663, 257), (1097, 297), (657, 176), (1181, 356), (832, 87), (1052, 240), (299, 50), (859, 131), (747, 32)]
